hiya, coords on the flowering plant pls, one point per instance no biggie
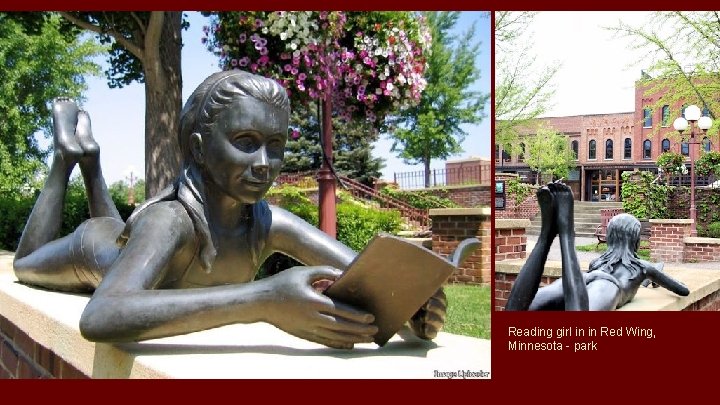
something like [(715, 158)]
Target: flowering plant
[(671, 162), (369, 63)]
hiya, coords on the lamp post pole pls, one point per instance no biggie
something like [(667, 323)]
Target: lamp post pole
[(693, 212), (692, 118)]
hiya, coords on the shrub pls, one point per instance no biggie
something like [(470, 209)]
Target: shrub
[(713, 230), (14, 212), (356, 224), (420, 199), (643, 198)]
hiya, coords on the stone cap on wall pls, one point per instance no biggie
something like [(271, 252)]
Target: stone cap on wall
[(700, 282), (671, 221), (511, 223), (696, 240), (235, 351), (483, 211)]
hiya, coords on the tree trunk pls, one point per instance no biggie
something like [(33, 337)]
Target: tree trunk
[(163, 102), (426, 162)]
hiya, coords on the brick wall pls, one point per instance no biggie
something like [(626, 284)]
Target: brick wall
[(450, 227), (22, 357), (510, 239), (666, 239), (710, 302), (504, 283), (527, 209), (701, 252), (679, 204), (470, 196)]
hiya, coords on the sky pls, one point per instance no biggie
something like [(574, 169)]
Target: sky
[(598, 69), (117, 115)]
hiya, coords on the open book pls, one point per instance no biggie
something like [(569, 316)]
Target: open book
[(391, 278)]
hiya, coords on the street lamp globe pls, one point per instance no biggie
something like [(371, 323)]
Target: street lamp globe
[(704, 123), (692, 113), (680, 124)]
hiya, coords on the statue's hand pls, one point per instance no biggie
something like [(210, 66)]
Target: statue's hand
[(430, 318), (298, 306)]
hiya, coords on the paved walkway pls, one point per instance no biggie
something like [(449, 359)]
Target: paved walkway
[(586, 257)]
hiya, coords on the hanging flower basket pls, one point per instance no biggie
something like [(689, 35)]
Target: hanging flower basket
[(671, 163), (370, 63), (708, 164)]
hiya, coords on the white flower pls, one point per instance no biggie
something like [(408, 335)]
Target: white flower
[(283, 36)]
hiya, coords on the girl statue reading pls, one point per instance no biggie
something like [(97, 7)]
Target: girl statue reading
[(613, 278), (186, 259)]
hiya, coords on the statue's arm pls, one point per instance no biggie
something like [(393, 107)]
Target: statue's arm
[(127, 307), (666, 281), (294, 237)]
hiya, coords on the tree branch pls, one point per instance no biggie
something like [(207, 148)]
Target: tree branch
[(131, 47)]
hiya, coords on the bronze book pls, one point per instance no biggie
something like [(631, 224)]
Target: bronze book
[(391, 278)]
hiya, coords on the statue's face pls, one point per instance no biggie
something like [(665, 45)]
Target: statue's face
[(244, 153)]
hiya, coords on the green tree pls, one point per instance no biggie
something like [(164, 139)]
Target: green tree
[(352, 146), (39, 61), (684, 54), (548, 153), (120, 191), (523, 89), (145, 47), (433, 128)]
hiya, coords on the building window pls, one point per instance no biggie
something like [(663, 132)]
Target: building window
[(497, 153), (505, 156), (665, 145), (707, 145), (609, 149), (685, 149), (591, 150), (706, 112), (521, 155), (666, 115), (574, 146), (627, 152), (647, 149), (647, 118)]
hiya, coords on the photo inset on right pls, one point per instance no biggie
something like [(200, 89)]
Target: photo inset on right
[(607, 160)]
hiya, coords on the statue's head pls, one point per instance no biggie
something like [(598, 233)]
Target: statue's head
[(233, 129), (623, 231)]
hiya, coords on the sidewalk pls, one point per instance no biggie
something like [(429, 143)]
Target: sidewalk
[(587, 257)]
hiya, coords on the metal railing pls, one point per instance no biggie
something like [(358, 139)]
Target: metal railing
[(452, 176)]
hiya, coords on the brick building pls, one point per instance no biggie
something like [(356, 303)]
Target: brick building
[(605, 145)]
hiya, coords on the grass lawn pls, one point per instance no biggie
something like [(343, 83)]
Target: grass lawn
[(468, 310), (643, 252)]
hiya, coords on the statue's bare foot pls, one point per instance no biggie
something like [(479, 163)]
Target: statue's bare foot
[(430, 318), (90, 148), (546, 201), (65, 116), (564, 202)]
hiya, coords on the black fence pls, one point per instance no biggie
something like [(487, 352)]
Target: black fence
[(453, 176)]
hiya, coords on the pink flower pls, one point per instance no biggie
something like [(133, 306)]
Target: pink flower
[(295, 134), (258, 23), (242, 37)]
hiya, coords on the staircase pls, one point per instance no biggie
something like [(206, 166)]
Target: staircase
[(587, 218)]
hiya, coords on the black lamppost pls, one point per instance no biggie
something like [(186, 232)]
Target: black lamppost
[(693, 119)]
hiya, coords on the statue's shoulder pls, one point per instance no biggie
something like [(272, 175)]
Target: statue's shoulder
[(162, 216)]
